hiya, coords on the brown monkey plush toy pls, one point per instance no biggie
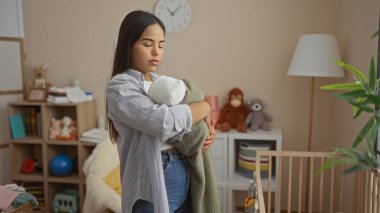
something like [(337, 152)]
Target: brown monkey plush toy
[(234, 112)]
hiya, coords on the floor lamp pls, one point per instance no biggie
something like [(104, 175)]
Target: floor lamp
[(314, 57)]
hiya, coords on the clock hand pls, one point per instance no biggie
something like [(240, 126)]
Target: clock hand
[(176, 9), (171, 13)]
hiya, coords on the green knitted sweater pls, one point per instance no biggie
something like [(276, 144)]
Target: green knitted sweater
[(204, 195)]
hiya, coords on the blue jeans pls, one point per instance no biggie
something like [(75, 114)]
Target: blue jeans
[(177, 182)]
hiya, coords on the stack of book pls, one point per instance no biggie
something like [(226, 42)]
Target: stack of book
[(26, 124), (32, 120), (57, 95), (246, 162)]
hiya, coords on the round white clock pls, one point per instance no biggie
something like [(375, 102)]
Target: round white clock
[(175, 14)]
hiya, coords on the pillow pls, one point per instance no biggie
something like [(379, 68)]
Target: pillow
[(112, 179)]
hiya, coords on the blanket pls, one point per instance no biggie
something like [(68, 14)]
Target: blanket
[(101, 196), (204, 195)]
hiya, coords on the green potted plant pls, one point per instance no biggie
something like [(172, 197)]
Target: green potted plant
[(375, 34), (363, 95)]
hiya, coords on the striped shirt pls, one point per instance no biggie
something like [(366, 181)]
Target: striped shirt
[(142, 125)]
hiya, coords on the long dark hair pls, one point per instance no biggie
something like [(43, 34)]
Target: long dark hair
[(130, 31)]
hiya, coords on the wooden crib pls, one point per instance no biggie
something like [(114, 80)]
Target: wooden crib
[(299, 189)]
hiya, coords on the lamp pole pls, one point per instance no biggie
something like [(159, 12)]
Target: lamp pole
[(310, 136), (311, 113)]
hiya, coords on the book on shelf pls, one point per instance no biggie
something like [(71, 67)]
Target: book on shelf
[(25, 115), (39, 125), (32, 121), (17, 126)]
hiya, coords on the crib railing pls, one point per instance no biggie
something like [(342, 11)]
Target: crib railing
[(300, 189), (368, 192)]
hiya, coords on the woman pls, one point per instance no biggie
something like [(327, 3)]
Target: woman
[(154, 174)]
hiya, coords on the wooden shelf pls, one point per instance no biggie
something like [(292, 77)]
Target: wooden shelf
[(45, 150), (88, 144), (59, 142), (73, 178), (29, 177), (28, 140)]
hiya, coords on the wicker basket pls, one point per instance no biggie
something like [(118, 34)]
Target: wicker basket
[(26, 208)]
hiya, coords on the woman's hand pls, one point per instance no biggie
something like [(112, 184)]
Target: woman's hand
[(211, 138)]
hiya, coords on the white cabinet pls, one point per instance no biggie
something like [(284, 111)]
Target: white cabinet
[(219, 151), (225, 151)]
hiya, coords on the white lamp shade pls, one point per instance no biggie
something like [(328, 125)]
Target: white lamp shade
[(314, 56)]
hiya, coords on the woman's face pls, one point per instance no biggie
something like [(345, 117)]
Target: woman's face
[(148, 50)]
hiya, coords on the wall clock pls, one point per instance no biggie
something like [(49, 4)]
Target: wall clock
[(175, 14)]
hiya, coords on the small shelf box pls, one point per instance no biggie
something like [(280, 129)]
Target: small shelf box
[(69, 150), (31, 116), (22, 153)]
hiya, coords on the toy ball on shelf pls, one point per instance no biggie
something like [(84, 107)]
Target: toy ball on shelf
[(61, 165)]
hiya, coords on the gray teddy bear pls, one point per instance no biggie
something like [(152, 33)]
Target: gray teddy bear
[(257, 118)]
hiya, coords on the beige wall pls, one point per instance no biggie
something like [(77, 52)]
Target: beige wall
[(247, 44)]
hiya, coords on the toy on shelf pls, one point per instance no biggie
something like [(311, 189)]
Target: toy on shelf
[(61, 165), (234, 112), (39, 77), (55, 129), (65, 129), (31, 165), (66, 124), (38, 89), (66, 201), (258, 118), (251, 203)]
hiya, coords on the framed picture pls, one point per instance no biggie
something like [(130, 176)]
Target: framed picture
[(37, 94)]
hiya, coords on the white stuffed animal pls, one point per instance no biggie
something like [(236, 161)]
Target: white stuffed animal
[(66, 127)]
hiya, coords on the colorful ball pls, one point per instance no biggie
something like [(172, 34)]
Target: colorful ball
[(61, 165)]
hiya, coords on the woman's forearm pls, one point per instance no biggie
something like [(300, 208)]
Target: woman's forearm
[(199, 110)]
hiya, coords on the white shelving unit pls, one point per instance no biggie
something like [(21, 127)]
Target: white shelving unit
[(225, 150)]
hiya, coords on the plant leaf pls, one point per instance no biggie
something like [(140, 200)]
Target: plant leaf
[(363, 132), (357, 112), (372, 136), (353, 70), (373, 99), (335, 162), (350, 95), (372, 75), (355, 168), (375, 34), (361, 105), (345, 150), (343, 86)]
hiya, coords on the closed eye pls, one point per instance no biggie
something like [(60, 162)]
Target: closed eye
[(161, 44)]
